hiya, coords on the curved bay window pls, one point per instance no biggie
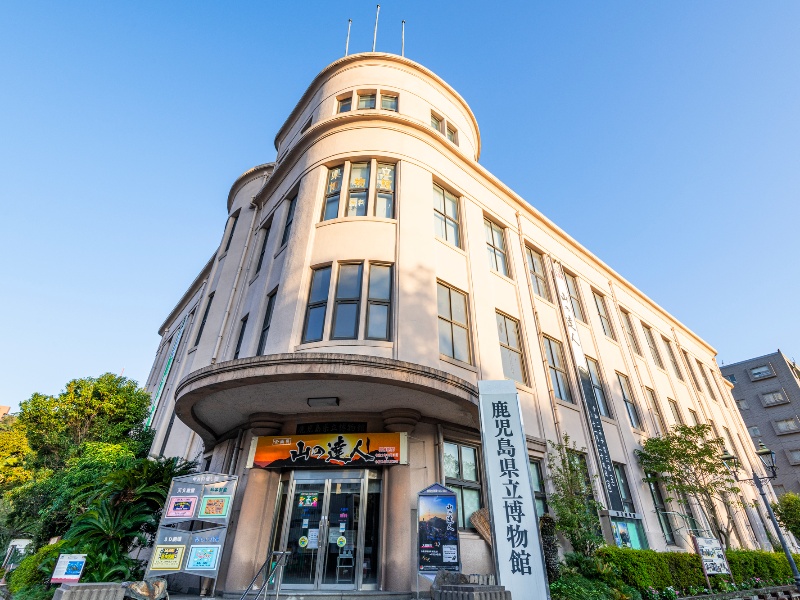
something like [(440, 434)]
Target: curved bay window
[(384, 200), (359, 190), (461, 476), (333, 190)]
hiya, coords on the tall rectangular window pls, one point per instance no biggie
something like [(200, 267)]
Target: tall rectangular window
[(452, 135), (627, 326), (262, 339), (672, 358), (436, 123), (203, 320), (676, 413), (557, 368), (729, 441), (536, 269), (366, 101), (651, 343), (624, 488), (574, 296), (651, 397), (453, 323), (347, 301), (510, 348), (462, 476), (630, 405), (333, 192), (384, 199), (691, 371), (693, 417), (379, 302), (600, 304), (704, 375), (317, 304), (495, 246), (359, 189), (597, 384), (389, 102), (242, 329), (661, 512), (287, 228), (234, 220), (263, 250), (539, 494), (445, 216), (345, 104)]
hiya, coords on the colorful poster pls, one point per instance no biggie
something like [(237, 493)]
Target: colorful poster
[(203, 558), (215, 506), (437, 529), (167, 558), (181, 507), (68, 568), (359, 450)]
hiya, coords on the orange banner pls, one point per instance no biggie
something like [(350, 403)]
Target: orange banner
[(335, 450)]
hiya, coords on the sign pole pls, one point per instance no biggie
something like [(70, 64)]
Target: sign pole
[(703, 564)]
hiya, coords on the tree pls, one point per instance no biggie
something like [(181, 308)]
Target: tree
[(787, 511), (103, 409), (687, 461), (573, 500), (14, 451)]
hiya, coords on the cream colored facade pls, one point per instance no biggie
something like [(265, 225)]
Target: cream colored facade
[(213, 404)]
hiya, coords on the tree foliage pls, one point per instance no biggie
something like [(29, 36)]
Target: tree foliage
[(14, 453), (573, 499), (787, 511), (687, 461)]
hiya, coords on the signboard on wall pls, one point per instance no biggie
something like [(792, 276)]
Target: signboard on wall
[(712, 555), (336, 450), (202, 496), (176, 340), (587, 392), (515, 529), (193, 552), (437, 530), (68, 568)]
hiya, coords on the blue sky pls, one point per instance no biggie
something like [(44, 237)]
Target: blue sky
[(664, 136)]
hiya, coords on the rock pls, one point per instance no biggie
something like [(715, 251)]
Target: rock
[(154, 588)]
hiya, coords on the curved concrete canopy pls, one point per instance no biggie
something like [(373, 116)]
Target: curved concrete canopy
[(221, 397)]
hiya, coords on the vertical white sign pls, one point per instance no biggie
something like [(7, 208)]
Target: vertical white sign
[(515, 528)]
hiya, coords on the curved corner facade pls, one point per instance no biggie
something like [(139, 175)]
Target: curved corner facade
[(364, 283)]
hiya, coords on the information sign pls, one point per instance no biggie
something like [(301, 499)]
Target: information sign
[(68, 568), (180, 551), (712, 555), (336, 450), (437, 530), (203, 496)]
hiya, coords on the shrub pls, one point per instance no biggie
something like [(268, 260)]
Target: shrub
[(571, 586), (35, 570)]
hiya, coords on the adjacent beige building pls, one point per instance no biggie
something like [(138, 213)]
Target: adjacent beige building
[(364, 283)]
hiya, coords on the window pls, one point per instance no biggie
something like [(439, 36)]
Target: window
[(536, 269), (651, 397), (436, 122), (597, 385), (384, 199), (773, 398), (600, 303), (742, 404), (261, 252), (676, 413), (693, 417), (754, 431), (345, 104), (731, 378), (630, 405), (672, 358), (510, 348), (359, 188), (346, 303), (333, 190), (262, 339), (704, 375), (452, 135), (539, 496), (389, 102), (453, 323), (793, 456), (306, 126), (317, 304), (495, 246), (366, 101), (379, 302), (786, 426), (242, 329), (627, 326), (651, 343), (624, 488), (729, 445), (287, 228), (661, 510), (234, 220), (445, 216), (574, 296), (558, 373), (691, 371), (761, 372), (203, 320), (461, 476)]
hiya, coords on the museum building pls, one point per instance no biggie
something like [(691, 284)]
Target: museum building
[(329, 351)]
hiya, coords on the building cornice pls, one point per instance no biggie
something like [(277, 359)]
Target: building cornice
[(191, 291), (247, 177), (325, 74)]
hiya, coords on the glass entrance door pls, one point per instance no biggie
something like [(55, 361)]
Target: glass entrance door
[(322, 530)]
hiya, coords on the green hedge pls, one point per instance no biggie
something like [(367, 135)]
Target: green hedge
[(646, 568)]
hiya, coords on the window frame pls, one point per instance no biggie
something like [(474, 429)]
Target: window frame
[(762, 396), (575, 296), (554, 371), (661, 512), (602, 313), (439, 122), (265, 240), (460, 482), (233, 220), (604, 407), (539, 281), (494, 250), (651, 343), (675, 409), (267, 322), (370, 301), (673, 359), (204, 319), (347, 300), (653, 398), (242, 330), (385, 191), (628, 505), (396, 97), (692, 374), (289, 220), (634, 415), (518, 351), (365, 189), (706, 380), (465, 326), (627, 328), (317, 303), (449, 129), (348, 98), (445, 217), (367, 94), (331, 192), (761, 377), (539, 495)]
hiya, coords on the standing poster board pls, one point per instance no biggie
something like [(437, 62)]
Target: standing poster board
[(69, 568), (437, 530), (712, 556)]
